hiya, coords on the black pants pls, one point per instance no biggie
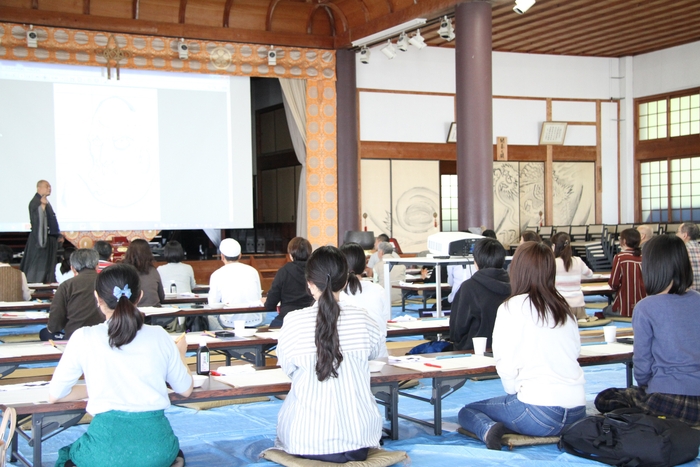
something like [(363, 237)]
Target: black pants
[(45, 335)]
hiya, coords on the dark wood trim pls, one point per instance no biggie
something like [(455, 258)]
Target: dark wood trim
[(35, 4), (86, 7), (153, 28), (182, 12), (679, 146), (227, 12), (277, 161), (135, 9)]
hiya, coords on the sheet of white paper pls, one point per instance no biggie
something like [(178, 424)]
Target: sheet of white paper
[(269, 335), (605, 349), (152, 310), (12, 304), (421, 323), (24, 315), (447, 364), (258, 378), (26, 350), (24, 394)]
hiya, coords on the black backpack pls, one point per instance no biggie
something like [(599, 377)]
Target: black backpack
[(625, 437)]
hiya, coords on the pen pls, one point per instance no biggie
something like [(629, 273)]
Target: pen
[(53, 344), (180, 338), (443, 357), (208, 333), (215, 373), (432, 365)]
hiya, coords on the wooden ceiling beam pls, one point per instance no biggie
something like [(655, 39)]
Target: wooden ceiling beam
[(424, 9), (330, 8), (86, 7), (618, 32), (135, 9), (573, 24), (677, 36), (227, 12), (153, 28), (182, 12)]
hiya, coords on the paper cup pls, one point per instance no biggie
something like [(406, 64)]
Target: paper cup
[(239, 326), (479, 345), (610, 334)]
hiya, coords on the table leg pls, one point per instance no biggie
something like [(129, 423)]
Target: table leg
[(629, 366), (394, 408), (37, 433), (437, 406)]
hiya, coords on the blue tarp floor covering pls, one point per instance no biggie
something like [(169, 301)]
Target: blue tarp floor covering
[(235, 435)]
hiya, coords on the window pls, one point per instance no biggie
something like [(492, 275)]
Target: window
[(652, 120), (684, 186), (449, 201), (685, 115)]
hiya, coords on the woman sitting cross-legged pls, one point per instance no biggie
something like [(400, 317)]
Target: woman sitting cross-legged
[(666, 327), (330, 413), (536, 345), (126, 366)]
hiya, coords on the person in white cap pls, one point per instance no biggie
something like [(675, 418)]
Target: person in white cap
[(235, 284)]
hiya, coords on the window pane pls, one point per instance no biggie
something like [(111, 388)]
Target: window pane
[(662, 132), (646, 204), (685, 102), (694, 128), (675, 165), (675, 202), (645, 192), (676, 215), (652, 107), (675, 130), (685, 189), (695, 100), (652, 133), (685, 128), (643, 108), (674, 104), (685, 164)]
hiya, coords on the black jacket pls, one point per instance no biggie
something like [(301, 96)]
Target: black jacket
[(289, 288), (474, 307)]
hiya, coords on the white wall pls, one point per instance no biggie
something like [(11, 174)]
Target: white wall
[(667, 70), (410, 117)]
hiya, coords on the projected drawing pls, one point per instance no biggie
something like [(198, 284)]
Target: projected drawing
[(506, 201), (107, 153), (574, 193)]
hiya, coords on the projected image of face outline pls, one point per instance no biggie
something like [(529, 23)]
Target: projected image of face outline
[(116, 146)]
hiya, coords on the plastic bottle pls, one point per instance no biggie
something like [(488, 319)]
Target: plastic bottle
[(203, 359), (173, 287)]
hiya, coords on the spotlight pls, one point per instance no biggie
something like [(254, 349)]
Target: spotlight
[(182, 49), (521, 6), (31, 37), (402, 43), (389, 50), (417, 40), (271, 56), (446, 31), (364, 54)]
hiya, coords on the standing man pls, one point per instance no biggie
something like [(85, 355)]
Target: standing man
[(690, 233), (39, 258)]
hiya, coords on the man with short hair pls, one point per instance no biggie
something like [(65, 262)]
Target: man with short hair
[(39, 260), (397, 273), (374, 257), (690, 233), (646, 234), (105, 250), (13, 282), (474, 307), (234, 284), (74, 305)]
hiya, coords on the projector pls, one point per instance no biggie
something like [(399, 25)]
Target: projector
[(452, 243)]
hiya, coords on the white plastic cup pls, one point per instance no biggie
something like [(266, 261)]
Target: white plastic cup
[(610, 333), (239, 326), (479, 345), (181, 320)]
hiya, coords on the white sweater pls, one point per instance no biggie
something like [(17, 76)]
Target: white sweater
[(568, 283), (536, 361)]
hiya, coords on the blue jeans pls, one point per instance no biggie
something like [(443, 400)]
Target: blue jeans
[(518, 417)]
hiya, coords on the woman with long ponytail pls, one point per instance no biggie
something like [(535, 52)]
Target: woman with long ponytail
[(330, 413), (124, 362), (570, 270)]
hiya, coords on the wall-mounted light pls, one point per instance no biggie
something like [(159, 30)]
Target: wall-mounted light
[(182, 49), (402, 43), (31, 37), (446, 31), (272, 56), (521, 6), (389, 50), (364, 55), (417, 40)]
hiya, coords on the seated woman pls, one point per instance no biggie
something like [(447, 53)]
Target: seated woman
[(139, 255), (536, 345), (13, 282), (289, 286), (63, 270), (570, 270), (366, 294), (626, 276), (176, 272), (330, 413), (666, 327), (126, 365)]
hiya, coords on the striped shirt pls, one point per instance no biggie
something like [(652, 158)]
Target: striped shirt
[(694, 255), (339, 414), (568, 283), (626, 281)]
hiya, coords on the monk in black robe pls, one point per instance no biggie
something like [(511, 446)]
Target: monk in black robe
[(39, 260)]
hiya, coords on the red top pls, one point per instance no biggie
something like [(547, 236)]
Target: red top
[(626, 280)]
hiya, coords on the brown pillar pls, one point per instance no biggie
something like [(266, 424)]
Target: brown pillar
[(348, 162), (474, 114)]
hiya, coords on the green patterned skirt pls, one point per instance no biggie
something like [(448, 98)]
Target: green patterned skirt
[(115, 438)]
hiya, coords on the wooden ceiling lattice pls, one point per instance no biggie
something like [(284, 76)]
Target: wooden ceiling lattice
[(605, 28)]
